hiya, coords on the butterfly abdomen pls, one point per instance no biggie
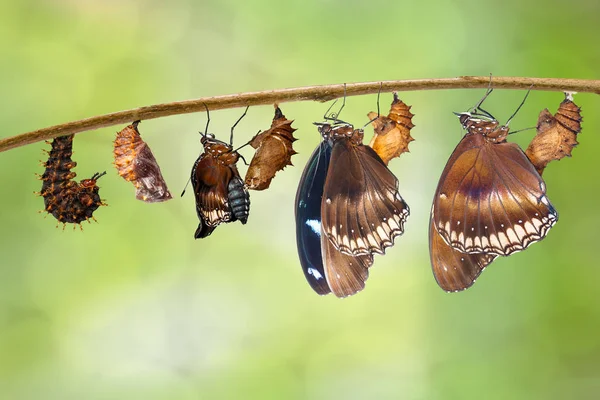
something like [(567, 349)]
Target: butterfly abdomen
[(239, 199)]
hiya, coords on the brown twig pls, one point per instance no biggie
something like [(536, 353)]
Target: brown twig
[(314, 93)]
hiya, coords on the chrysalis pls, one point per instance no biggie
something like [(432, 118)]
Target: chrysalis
[(392, 133), (274, 151), (556, 134), (136, 163)]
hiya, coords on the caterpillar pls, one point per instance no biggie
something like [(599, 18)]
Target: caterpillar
[(65, 199)]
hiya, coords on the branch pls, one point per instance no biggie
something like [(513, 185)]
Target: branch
[(314, 93)]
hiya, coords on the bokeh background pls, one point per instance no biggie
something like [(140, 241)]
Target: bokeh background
[(134, 308)]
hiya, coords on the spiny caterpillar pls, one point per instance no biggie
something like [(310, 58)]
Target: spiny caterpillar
[(64, 198)]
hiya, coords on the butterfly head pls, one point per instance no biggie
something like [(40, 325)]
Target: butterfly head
[(335, 131), (219, 150), (91, 183), (481, 124)]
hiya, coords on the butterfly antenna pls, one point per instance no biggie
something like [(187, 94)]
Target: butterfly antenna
[(206, 128), (521, 130), (185, 187), (520, 105), (234, 125), (245, 144), (489, 91), (325, 117)]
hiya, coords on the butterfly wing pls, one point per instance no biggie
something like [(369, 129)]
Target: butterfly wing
[(490, 199), (210, 180), (454, 271), (308, 218), (345, 274), (362, 210)]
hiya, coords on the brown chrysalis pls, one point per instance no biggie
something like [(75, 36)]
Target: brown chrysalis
[(556, 134), (67, 200), (392, 133), (136, 163), (274, 151)]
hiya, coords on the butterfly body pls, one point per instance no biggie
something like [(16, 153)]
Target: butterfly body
[(219, 190)]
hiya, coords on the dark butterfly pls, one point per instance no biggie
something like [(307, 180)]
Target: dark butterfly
[(490, 201), (347, 208), (220, 192)]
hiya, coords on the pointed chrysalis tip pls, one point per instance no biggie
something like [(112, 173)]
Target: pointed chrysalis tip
[(569, 95)]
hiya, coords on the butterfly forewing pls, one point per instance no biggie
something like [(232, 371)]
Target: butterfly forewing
[(490, 199), (362, 210)]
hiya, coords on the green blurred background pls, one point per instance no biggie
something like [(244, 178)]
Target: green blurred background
[(134, 308)]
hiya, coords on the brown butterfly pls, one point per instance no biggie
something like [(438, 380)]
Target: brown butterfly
[(362, 211), (220, 192), (490, 201)]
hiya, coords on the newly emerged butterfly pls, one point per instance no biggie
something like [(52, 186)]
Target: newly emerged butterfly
[(136, 163), (347, 208), (274, 151), (220, 192), (67, 200), (490, 201)]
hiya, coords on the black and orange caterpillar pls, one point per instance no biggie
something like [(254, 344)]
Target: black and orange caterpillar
[(67, 200)]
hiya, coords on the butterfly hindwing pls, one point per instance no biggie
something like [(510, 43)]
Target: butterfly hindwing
[(345, 274), (453, 270)]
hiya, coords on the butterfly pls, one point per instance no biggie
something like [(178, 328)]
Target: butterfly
[(347, 208), (221, 195), (490, 201)]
